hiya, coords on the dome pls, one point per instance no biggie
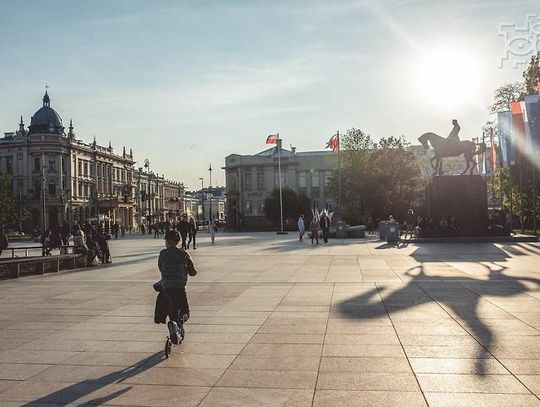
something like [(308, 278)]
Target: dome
[(46, 119)]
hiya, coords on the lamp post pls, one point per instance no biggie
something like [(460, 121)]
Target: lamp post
[(43, 184), (147, 166), (210, 193), (202, 197)]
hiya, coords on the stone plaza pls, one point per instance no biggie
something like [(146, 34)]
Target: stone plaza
[(278, 322)]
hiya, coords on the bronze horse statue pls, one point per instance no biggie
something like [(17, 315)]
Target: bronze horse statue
[(449, 148)]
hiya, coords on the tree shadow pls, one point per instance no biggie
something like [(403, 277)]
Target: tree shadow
[(71, 394), (458, 296)]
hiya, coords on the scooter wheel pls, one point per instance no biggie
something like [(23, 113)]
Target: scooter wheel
[(181, 336), (168, 346)]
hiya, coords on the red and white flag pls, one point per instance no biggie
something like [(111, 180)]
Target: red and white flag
[(272, 139), (333, 143)]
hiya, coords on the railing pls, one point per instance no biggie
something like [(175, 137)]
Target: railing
[(26, 249)]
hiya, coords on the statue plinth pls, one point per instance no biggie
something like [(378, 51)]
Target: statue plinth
[(463, 197)]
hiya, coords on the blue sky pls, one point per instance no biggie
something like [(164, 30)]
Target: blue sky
[(185, 83)]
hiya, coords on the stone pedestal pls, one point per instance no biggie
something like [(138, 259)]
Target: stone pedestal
[(463, 197)]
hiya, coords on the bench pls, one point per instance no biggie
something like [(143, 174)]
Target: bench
[(14, 267), (26, 249)]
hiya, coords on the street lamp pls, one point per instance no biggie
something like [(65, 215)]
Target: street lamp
[(202, 197), (210, 193), (147, 166)]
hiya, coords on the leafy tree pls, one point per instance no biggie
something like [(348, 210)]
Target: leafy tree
[(376, 182), (505, 95), (531, 75), (293, 205), (8, 213), (393, 142), (394, 183)]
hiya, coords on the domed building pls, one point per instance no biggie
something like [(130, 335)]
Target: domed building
[(46, 120), (59, 179)]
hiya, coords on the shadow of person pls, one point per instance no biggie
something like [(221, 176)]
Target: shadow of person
[(76, 391), (458, 296)]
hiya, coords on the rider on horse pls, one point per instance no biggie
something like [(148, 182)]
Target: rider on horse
[(453, 136)]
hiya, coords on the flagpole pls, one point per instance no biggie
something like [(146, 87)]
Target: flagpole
[(339, 177), (279, 176)]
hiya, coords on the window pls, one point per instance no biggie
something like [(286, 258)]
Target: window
[(86, 169), (37, 164), (64, 167), (9, 165), (315, 185), (302, 183), (80, 168), (248, 207), (261, 206), (52, 189), (260, 178), (37, 189), (80, 190), (92, 169), (248, 179), (52, 164)]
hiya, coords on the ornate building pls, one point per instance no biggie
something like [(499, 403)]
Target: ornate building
[(59, 178)]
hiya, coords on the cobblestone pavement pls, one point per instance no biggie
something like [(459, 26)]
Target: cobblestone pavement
[(279, 322)]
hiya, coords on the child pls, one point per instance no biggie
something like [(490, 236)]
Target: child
[(175, 264)]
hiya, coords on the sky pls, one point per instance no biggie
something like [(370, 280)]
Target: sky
[(186, 83)]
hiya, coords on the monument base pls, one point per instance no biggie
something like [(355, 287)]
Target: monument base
[(457, 207)]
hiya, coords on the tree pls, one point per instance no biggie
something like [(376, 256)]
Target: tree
[(506, 94), (531, 75), (8, 214), (394, 183), (393, 142), (376, 182), (293, 205)]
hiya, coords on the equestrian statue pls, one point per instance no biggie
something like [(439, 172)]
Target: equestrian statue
[(451, 147)]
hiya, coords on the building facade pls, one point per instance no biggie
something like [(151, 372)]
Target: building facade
[(158, 199), (252, 178), (58, 178)]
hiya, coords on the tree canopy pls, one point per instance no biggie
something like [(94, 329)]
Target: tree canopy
[(378, 181), (293, 205)]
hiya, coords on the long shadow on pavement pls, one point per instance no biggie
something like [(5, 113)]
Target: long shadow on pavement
[(71, 394), (459, 295)]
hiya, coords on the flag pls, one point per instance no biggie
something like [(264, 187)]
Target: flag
[(272, 139), (493, 151), (333, 143), (518, 129)]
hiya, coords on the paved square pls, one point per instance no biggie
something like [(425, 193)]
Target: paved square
[(277, 322)]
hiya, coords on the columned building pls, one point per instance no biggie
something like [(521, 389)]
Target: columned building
[(252, 178), (58, 178)]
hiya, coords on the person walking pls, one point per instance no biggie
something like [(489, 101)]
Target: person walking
[(183, 228), (314, 229), (301, 226), (143, 229), (212, 229), (370, 224), (192, 232), (324, 223)]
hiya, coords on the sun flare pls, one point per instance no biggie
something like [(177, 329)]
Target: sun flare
[(447, 77)]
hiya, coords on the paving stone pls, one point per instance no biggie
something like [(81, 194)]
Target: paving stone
[(249, 397), (481, 400), (342, 398), (269, 378), (331, 380), (266, 323), (467, 383)]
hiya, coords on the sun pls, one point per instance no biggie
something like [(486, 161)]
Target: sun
[(447, 77)]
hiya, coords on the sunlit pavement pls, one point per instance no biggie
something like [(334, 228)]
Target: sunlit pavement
[(277, 322)]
